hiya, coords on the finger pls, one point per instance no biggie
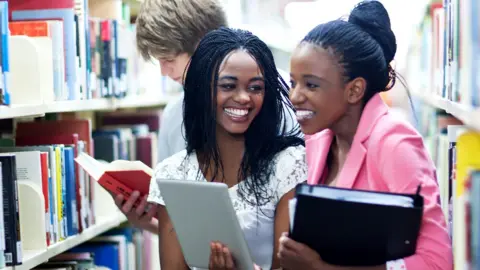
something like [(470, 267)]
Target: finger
[(220, 256), (151, 212), (290, 244), (287, 259), (119, 200), (229, 264), (127, 206), (211, 263), (140, 209)]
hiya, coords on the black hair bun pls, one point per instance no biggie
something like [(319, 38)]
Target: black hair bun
[(372, 17)]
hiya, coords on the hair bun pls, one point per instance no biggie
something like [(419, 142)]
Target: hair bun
[(372, 17)]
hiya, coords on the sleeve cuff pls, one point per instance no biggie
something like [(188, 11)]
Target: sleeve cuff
[(154, 197)]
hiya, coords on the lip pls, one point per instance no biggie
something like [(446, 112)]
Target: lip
[(235, 118), (304, 115)]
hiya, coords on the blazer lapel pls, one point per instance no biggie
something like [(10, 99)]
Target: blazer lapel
[(353, 164), (317, 147), (372, 112)]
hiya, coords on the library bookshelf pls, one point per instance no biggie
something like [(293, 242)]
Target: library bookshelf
[(100, 104), (468, 115), (33, 258), (31, 200)]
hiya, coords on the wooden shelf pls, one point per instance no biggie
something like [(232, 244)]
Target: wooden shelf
[(32, 258), (468, 115), (101, 104), (21, 110)]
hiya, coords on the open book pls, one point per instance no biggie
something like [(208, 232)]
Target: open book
[(119, 176)]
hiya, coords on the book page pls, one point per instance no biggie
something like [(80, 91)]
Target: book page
[(363, 196), (292, 205), (93, 167), (126, 165)]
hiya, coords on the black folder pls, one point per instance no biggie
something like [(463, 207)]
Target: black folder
[(353, 233)]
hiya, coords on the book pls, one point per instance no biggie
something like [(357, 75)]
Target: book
[(119, 176), (355, 227)]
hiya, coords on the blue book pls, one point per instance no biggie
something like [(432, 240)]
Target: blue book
[(71, 195), (5, 64), (106, 254)]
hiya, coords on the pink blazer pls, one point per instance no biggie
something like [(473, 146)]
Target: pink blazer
[(388, 154)]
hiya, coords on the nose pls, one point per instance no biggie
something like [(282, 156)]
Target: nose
[(296, 96), (241, 96), (165, 69)]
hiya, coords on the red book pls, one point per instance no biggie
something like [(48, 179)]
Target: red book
[(118, 177), (44, 166)]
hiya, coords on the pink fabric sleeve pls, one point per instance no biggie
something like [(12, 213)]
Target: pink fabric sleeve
[(405, 164)]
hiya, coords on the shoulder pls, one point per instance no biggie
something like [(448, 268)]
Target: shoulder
[(391, 132), (289, 160), (290, 170), (173, 106), (171, 166), (292, 152)]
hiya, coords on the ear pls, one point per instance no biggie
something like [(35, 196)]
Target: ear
[(356, 90)]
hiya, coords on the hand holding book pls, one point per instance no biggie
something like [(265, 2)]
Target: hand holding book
[(128, 182), (141, 215)]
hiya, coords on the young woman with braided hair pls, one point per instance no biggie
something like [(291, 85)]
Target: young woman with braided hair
[(234, 128), (356, 142)]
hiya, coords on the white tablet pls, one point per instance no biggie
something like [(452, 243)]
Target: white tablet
[(202, 212)]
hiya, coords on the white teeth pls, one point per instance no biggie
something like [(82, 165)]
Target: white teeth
[(304, 114), (236, 112)]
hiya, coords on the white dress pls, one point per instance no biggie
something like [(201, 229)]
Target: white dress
[(258, 226)]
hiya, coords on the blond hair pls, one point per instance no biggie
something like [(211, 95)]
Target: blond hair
[(166, 28)]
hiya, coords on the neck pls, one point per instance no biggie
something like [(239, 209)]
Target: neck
[(231, 146), (231, 149), (346, 128)]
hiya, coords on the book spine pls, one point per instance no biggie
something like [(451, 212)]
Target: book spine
[(18, 240)]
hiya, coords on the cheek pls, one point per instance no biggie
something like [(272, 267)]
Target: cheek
[(258, 100), (222, 97)]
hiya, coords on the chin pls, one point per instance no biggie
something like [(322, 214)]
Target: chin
[(310, 130), (236, 131)]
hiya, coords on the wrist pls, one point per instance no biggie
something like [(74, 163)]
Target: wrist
[(153, 226)]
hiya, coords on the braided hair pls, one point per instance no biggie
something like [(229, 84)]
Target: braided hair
[(265, 136)]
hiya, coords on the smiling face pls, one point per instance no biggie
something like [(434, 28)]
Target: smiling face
[(318, 89), (240, 92)]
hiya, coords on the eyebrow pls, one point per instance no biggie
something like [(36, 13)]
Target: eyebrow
[(233, 78), (311, 76)]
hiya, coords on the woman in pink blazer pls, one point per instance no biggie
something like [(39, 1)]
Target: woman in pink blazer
[(353, 141)]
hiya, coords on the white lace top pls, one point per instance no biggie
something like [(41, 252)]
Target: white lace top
[(290, 169)]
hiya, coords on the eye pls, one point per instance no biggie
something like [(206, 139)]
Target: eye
[(227, 86), (311, 85), (256, 88), (292, 84)]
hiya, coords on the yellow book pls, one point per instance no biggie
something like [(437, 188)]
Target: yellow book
[(58, 180), (468, 158)]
